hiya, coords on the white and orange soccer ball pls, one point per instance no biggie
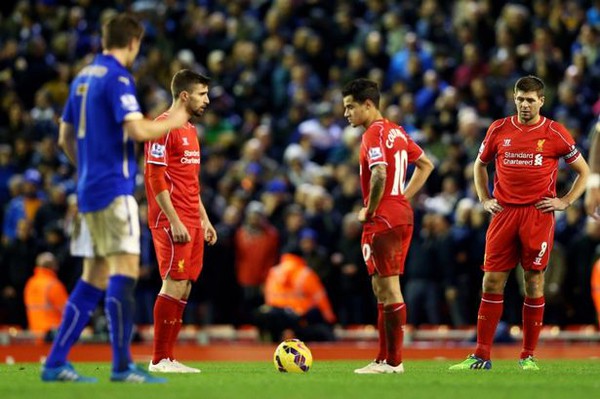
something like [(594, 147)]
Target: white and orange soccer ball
[(292, 356)]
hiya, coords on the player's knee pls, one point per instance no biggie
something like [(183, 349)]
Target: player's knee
[(95, 273), (493, 284), (100, 282), (175, 288), (534, 284)]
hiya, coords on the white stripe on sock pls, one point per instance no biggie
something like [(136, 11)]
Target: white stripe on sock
[(488, 301), (69, 330), (120, 322)]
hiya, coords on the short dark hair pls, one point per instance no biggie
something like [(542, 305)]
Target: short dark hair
[(184, 79), (362, 90), (530, 83), (119, 30)]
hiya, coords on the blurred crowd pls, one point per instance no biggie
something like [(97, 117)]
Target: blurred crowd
[(279, 162)]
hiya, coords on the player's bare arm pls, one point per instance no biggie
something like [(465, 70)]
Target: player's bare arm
[(67, 141), (377, 183), (582, 169), (481, 179), (141, 129), (592, 196), (178, 230), (210, 234), (423, 168)]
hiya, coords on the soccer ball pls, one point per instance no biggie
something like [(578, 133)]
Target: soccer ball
[(292, 356)]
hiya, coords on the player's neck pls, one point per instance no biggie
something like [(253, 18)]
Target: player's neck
[(533, 121), (119, 54), (374, 117)]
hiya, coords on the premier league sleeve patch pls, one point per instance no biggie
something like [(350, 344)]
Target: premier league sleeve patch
[(157, 151), (375, 153), (129, 103)]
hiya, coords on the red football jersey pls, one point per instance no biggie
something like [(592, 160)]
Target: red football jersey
[(387, 143), (526, 158), (179, 152)]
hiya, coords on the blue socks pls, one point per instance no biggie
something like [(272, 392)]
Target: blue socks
[(82, 303), (120, 308)]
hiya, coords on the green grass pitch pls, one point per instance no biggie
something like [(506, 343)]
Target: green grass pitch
[(564, 379)]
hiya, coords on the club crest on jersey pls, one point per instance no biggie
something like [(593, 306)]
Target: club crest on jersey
[(375, 153), (157, 150), (540, 145)]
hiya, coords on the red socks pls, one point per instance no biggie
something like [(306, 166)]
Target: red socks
[(381, 329), (177, 326), (166, 320), (394, 321), (533, 317), (490, 311)]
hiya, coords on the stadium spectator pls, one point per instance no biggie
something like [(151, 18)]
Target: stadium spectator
[(256, 251), (17, 266), (295, 299), (23, 206), (149, 280), (592, 195), (276, 198), (582, 252), (52, 211), (353, 298), (423, 276), (7, 171), (218, 283), (45, 296), (595, 282)]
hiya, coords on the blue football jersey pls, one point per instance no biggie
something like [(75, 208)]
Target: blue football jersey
[(101, 99)]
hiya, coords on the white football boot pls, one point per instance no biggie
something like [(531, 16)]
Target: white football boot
[(371, 368), (170, 366), (385, 368), (184, 368)]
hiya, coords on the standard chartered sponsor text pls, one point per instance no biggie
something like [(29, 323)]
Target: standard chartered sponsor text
[(519, 155), (191, 157), (521, 159)]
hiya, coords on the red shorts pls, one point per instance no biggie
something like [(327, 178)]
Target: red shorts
[(179, 261), (519, 234), (385, 251)]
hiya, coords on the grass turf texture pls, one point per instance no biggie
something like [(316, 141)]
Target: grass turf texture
[(327, 379)]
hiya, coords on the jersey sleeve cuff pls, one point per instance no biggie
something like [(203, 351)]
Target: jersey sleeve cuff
[(157, 163), (133, 116)]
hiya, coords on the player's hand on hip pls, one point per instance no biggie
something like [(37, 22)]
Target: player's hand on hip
[(592, 203), (179, 232), (492, 206), (548, 204)]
